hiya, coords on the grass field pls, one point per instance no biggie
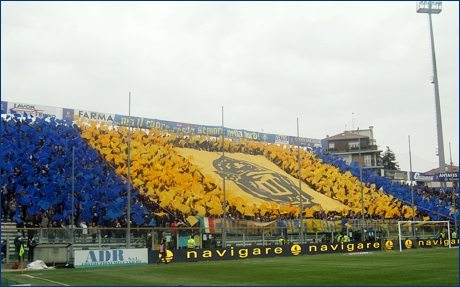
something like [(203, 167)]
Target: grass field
[(417, 267)]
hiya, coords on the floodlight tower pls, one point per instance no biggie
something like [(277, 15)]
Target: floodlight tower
[(435, 7)]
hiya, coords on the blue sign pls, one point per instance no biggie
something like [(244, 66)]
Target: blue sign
[(67, 114), (215, 131), (436, 177)]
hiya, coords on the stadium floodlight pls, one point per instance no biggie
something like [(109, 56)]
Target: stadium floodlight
[(435, 7), (224, 206), (430, 7), (128, 209), (300, 186)]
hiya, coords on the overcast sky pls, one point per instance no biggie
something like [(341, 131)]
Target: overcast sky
[(334, 65)]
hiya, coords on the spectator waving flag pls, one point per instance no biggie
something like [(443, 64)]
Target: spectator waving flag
[(16, 216)]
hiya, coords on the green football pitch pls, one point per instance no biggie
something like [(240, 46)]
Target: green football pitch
[(417, 267)]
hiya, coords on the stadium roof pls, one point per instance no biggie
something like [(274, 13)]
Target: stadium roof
[(448, 169), (345, 136)]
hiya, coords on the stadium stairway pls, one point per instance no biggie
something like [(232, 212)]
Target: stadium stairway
[(9, 233)]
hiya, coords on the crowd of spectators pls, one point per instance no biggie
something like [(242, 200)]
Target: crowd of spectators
[(40, 156)]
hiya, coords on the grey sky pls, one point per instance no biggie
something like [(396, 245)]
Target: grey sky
[(333, 65)]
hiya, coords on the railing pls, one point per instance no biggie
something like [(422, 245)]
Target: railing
[(113, 238)]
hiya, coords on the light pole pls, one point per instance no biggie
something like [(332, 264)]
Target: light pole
[(72, 219), (363, 236), (435, 7), (224, 206), (128, 209), (411, 188), (300, 186), (453, 190)]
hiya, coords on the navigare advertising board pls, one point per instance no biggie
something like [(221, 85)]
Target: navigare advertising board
[(191, 255), (112, 257), (419, 243)]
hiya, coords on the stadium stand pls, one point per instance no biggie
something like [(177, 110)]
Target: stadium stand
[(36, 171)]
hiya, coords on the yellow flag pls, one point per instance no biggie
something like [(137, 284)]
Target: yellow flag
[(192, 220), (201, 211), (21, 250)]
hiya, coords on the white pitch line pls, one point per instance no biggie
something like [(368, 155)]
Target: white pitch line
[(46, 280), (358, 253)]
